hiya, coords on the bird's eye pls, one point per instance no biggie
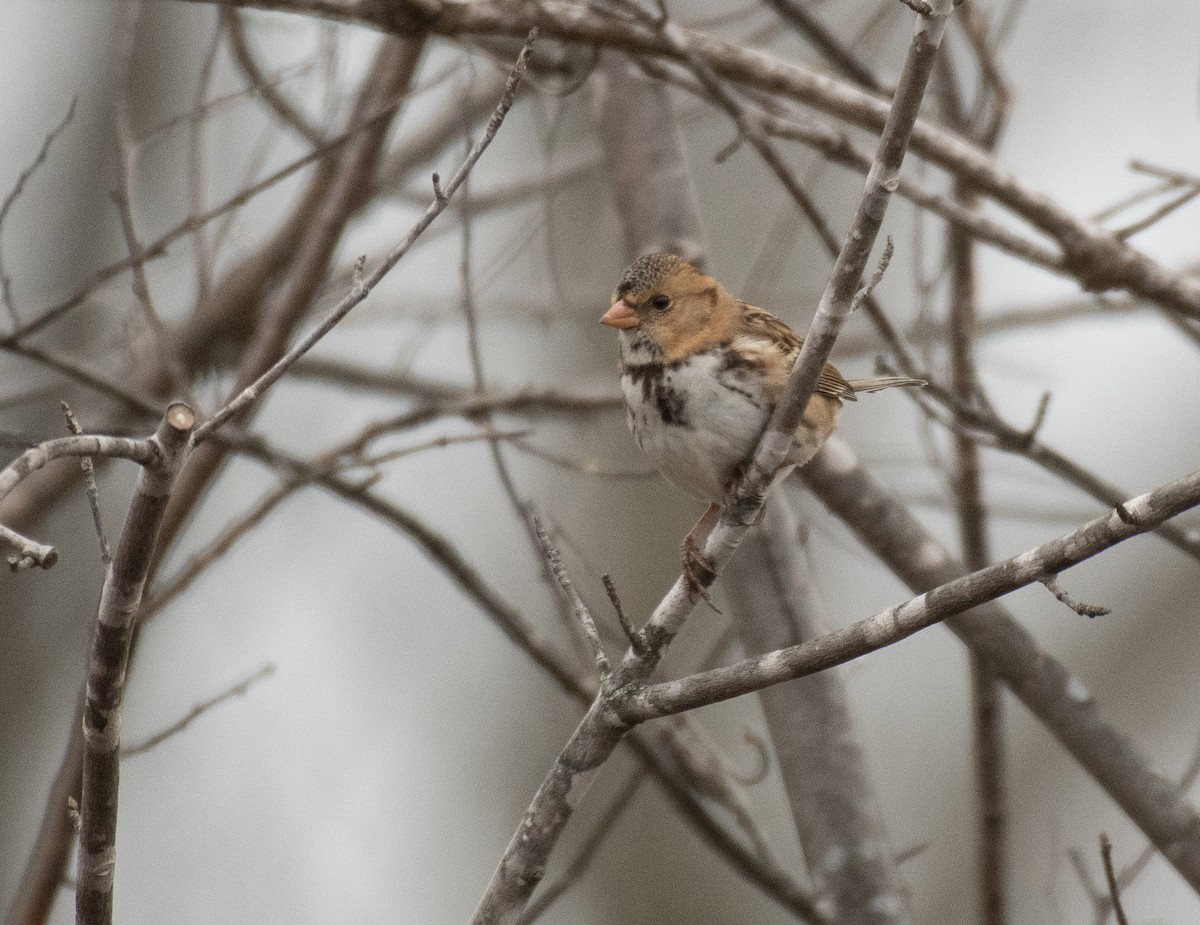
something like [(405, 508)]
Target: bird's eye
[(660, 302)]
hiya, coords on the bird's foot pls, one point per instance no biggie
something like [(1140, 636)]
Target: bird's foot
[(699, 573), (745, 509)]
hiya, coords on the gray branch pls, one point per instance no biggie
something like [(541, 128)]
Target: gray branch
[(107, 663)]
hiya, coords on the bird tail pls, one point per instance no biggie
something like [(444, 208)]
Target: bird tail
[(879, 383)]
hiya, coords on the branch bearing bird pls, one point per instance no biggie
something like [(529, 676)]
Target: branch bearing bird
[(701, 372)]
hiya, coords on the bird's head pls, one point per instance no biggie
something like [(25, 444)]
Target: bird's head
[(670, 307)]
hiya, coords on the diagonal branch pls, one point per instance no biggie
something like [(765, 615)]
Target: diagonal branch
[(363, 288), (1132, 518)]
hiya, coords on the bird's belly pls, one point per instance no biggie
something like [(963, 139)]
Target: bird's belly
[(694, 423)]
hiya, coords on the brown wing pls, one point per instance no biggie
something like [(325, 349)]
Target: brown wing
[(769, 334)]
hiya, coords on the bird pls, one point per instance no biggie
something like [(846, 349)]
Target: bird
[(701, 372)]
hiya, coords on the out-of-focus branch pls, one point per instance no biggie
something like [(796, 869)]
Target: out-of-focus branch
[(840, 56), (108, 661), (268, 376), (43, 874), (987, 704), (1025, 442), (1058, 699), (1095, 257), (639, 134), (824, 772), (12, 197), (289, 114)]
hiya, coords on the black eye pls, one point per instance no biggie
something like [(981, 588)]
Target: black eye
[(660, 302)]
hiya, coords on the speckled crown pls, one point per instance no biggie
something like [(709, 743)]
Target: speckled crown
[(647, 272)]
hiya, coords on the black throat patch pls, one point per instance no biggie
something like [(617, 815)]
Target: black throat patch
[(658, 392)]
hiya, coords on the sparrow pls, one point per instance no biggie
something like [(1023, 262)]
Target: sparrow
[(701, 372)]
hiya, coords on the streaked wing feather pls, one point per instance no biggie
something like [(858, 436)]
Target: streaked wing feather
[(760, 325)]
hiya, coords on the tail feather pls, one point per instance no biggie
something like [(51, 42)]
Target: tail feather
[(879, 383)]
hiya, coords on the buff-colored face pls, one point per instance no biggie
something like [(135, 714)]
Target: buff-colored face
[(673, 306)]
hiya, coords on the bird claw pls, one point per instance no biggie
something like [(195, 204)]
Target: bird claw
[(699, 573), (745, 511)]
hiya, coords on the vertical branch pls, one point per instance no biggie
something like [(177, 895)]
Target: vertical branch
[(823, 768), (107, 663), (987, 702), (639, 135), (47, 864)]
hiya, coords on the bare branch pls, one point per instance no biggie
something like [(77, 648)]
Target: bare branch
[(108, 661), (1139, 515), (582, 614), (32, 553), (235, 690), (159, 246), (357, 294), (1158, 214), (1084, 610), (1059, 700), (89, 484), (1114, 891), (836, 300), (542, 902), (636, 641), (15, 193)]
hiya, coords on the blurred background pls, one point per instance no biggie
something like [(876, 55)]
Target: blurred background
[(379, 771)]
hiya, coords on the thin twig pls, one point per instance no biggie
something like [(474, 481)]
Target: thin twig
[(15, 193), (1158, 214), (919, 6), (582, 614), (1084, 610), (159, 246), (635, 638), (865, 292), (89, 484), (358, 293), (238, 689), (1114, 891), (1178, 177)]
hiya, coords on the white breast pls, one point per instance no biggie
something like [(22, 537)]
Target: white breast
[(695, 420)]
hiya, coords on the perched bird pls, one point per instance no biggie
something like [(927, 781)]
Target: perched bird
[(701, 373)]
